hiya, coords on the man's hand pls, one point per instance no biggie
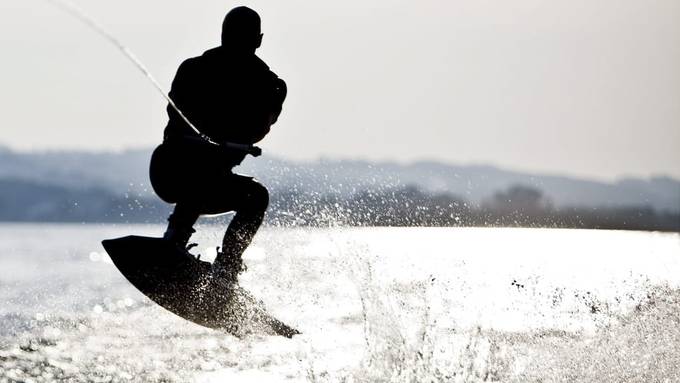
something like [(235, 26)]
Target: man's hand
[(255, 151), (248, 149)]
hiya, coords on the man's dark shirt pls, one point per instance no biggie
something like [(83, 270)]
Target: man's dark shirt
[(228, 96)]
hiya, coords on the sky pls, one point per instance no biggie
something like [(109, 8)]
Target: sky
[(587, 88)]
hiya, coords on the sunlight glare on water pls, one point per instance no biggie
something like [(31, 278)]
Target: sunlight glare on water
[(374, 304)]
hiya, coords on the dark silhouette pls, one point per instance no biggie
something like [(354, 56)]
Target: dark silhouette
[(230, 96)]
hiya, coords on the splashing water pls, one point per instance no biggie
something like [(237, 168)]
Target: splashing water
[(388, 305)]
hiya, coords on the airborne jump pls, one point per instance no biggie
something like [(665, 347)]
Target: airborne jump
[(231, 96), (221, 104)]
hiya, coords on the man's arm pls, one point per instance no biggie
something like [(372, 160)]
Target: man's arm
[(280, 92), (181, 93), (275, 92)]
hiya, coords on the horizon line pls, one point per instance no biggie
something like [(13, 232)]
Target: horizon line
[(475, 164)]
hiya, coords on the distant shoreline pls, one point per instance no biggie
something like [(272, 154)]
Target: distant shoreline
[(113, 188)]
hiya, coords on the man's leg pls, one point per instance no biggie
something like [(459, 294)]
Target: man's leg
[(168, 172), (249, 200), (181, 222)]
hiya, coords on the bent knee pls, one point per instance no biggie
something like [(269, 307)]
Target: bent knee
[(259, 197)]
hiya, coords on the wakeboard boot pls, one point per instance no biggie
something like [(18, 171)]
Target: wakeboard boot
[(179, 237), (226, 268)]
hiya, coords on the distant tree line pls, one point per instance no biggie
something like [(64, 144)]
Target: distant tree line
[(518, 206), (27, 201)]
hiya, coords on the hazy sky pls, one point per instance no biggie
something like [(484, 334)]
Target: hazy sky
[(582, 87)]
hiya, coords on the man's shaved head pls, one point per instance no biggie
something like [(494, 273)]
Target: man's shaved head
[(241, 28)]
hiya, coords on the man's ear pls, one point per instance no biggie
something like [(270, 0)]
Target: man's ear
[(259, 40)]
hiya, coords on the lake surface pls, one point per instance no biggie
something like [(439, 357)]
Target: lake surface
[(374, 305)]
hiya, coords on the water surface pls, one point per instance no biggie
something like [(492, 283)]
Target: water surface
[(375, 304)]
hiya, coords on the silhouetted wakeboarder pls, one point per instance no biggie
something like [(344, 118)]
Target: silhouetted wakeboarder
[(230, 95), (232, 98)]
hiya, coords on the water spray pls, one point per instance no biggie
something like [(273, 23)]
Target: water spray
[(86, 19)]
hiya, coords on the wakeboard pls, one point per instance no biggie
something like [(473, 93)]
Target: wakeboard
[(184, 286)]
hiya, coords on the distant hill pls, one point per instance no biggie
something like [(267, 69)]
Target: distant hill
[(117, 172), (473, 183), (123, 172), (28, 201)]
